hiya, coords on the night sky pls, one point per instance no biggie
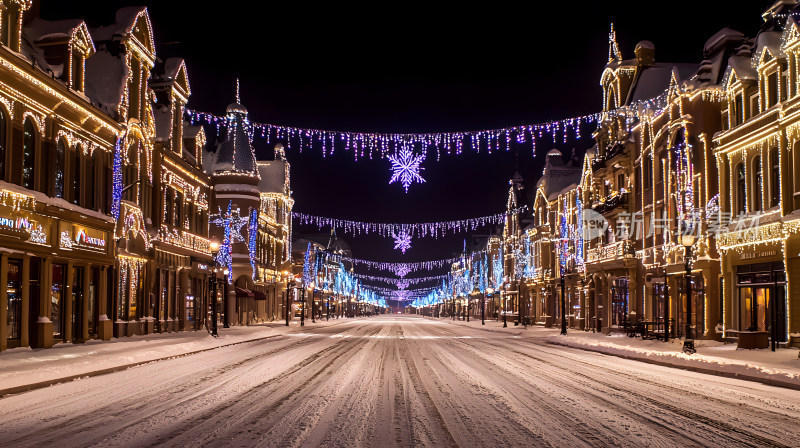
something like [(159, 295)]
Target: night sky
[(412, 69)]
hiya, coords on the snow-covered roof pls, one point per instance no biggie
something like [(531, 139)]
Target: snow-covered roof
[(273, 176), (162, 115), (106, 77), (654, 80), (236, 153), (558, 176)]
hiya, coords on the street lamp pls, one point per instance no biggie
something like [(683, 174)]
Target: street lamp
[(687, 240), (489, 292), (214, 246), (289, 284), (504, 298), (313, 295)]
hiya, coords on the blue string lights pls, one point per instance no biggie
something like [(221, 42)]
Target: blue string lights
[(117, 187)]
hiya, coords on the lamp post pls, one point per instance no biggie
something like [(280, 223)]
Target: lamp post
[(303, 304), (489, 291), (687, 240), (563, 307), (313, 295), (504, 299), (214, 246)]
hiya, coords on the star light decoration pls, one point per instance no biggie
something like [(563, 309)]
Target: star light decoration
[(232, 222), (405, 167), (402, 241)]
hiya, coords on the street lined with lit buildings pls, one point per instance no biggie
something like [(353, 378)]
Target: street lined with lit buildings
[(400, 380)]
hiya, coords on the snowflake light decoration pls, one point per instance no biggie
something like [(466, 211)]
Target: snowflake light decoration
[(401, 270), (405, 167), (402, 241)]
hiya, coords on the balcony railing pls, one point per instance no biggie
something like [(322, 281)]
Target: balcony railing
[(618, 200), (620, 249), (610, 153)]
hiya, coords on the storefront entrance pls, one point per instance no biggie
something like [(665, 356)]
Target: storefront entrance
[(762, 299), (619, 301), (14, 289)]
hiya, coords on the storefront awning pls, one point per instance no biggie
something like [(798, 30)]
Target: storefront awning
[(241, 292), (258, 295)]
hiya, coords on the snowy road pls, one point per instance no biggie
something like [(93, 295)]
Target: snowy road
[(402, 381)]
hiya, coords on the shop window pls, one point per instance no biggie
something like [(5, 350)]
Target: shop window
[(58, 175), (29, 154), (57, 300), (648, 172), (14, 306), (619, 301)]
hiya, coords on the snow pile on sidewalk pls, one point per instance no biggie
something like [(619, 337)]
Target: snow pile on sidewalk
[(22, 366), (781, 366)]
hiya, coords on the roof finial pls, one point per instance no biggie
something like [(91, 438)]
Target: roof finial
[(238, 101), (613, 49)]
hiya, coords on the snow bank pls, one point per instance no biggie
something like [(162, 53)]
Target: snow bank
[(782, 366)]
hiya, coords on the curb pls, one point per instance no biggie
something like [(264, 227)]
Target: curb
[(734, 375), (42, 384), (47, 383)]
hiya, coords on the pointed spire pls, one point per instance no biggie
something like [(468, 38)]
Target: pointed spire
[(613, 49), (238, 100)]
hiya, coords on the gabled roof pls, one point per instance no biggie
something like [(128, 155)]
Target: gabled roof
[(273, 176), (130, 21)]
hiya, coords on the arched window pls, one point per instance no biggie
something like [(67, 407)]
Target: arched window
[(58, 175), (758, 183), (775, 178), (75, 175), (91, 188), (131, 172), (741, 190), (28, 154), (3, 125)]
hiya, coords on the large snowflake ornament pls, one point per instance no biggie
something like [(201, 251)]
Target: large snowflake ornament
[(401, 270), (402, 241), (405, 167)]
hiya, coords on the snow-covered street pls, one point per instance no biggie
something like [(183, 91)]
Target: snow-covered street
[(402, 381)]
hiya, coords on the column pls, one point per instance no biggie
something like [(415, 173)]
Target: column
[(3, 302), (67, 333), (633, 294), (26, 304), (181, 301), (87, 272)]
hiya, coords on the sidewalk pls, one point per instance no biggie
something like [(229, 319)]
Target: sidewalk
[(24, 368), (779, 368)]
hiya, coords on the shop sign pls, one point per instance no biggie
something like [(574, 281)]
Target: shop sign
[(82, 238), (751, 255)]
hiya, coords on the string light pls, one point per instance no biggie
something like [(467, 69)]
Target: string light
[(420, 230)]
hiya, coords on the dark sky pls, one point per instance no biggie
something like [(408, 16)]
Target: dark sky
[(400, 67)]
